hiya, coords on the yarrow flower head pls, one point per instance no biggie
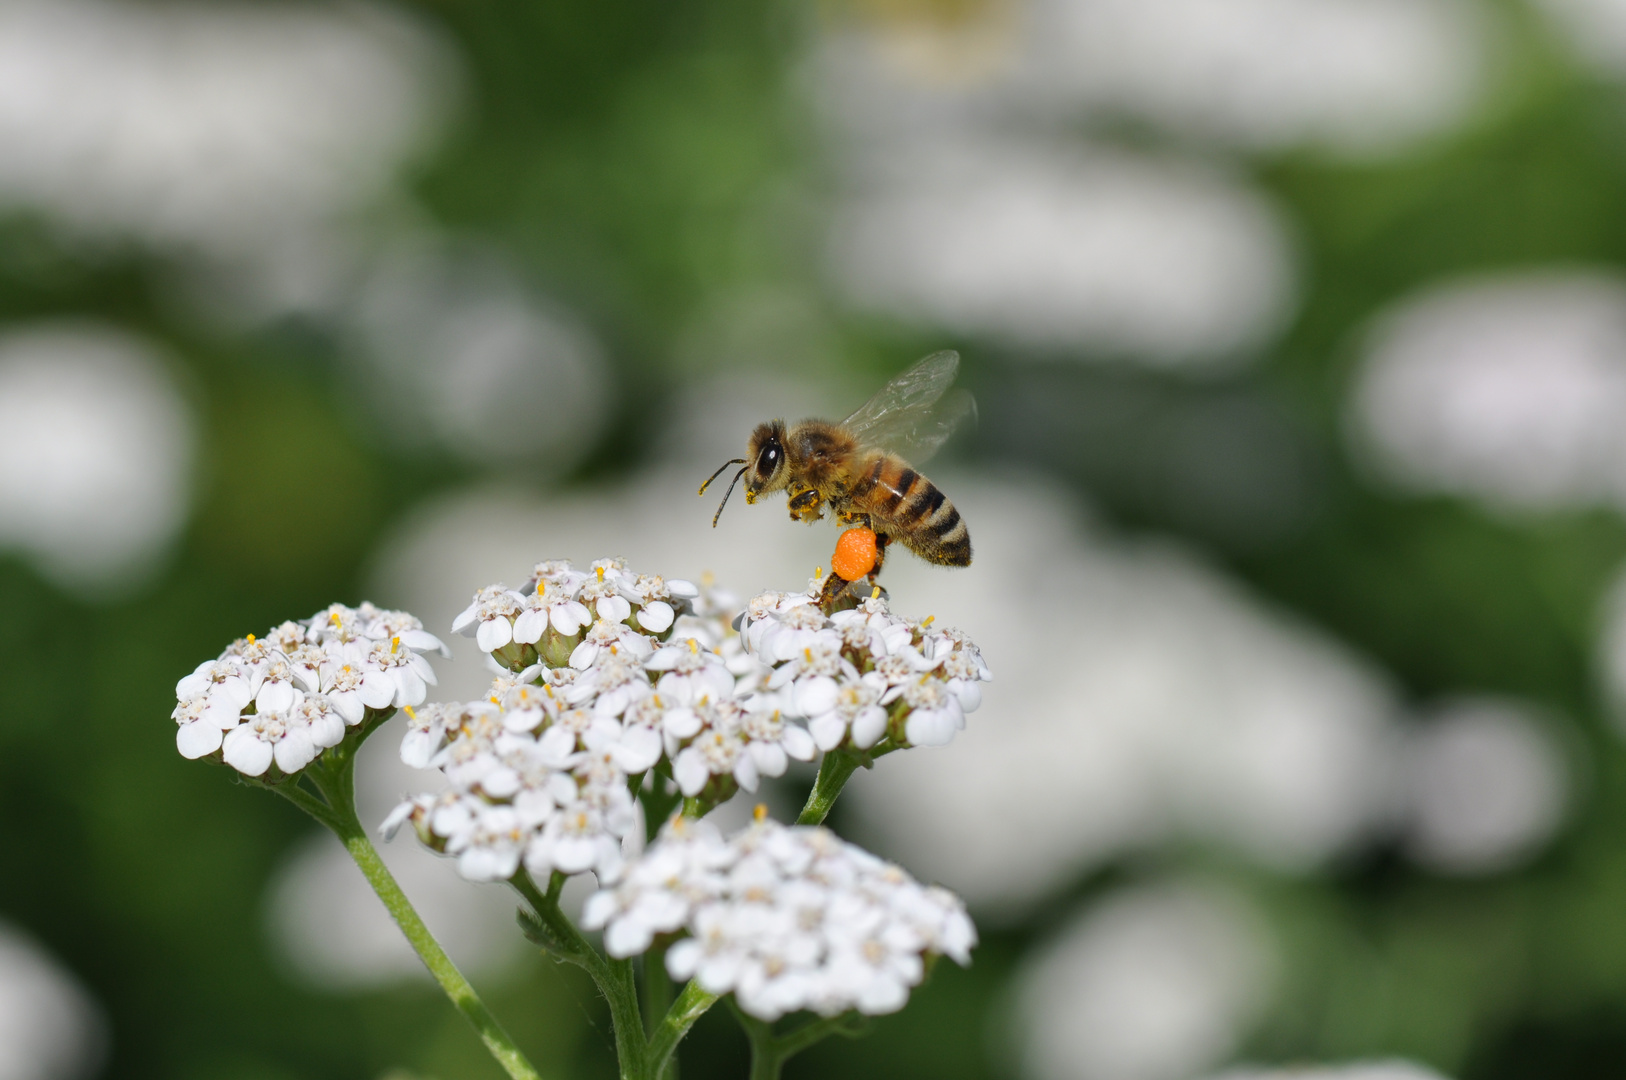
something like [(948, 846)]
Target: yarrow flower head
[(562, 615), (533, 780), (282, 699), (539, 769), (615, 674), (864, 674), (783, 918), (738, 742)]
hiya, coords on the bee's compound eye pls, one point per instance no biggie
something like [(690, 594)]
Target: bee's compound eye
[(767, 460)]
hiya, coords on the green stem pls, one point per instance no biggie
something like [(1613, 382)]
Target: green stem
[(766, 1061), (435, 959), (834, 771), (769, 1052), (658, 994), (336, 781), (560, 934), (657, 986), (614, 978), (793, 1043), (621, 991), (690, 1006), (291, 790)]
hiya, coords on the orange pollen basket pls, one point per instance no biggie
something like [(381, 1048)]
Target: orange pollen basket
[(856, 554)]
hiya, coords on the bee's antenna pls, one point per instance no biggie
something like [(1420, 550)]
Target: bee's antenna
[(727, 493), (719, 472)]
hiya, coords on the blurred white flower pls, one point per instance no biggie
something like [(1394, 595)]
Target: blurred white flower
[(1510, 389), (50, 1029), (454, 339), (218, 128), (1151, 983), (784, 918), (1596, 30), (1485, 786), (713, 413), (1099, 251), (1361, 1070), (1356, 77), (1183, 707), (967, 202), (96, 446)]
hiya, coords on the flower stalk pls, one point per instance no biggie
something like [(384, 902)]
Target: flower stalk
[(690, 1006), (552, 928), (334, 777), (640, 1058), (770, 1051), (834, 772)]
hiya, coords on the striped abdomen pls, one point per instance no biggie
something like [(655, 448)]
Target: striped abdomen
[(912, 510)]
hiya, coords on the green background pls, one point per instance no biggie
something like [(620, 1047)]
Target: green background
[(624, 153)]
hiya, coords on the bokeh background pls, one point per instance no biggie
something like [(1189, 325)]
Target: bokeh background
[(1298, 329)]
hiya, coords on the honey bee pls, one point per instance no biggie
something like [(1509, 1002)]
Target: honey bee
[(857, 468)]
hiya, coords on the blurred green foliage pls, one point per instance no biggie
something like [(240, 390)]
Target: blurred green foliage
[(636, 158)]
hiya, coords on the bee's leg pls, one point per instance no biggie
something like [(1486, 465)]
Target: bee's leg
[(804, 505), (881, 540), (834, 585)]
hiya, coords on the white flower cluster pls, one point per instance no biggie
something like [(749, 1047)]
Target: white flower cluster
[(616, 608), (784, 918), (532, 778), (284, 698), (864, 673), (614, 672), (539, 771)]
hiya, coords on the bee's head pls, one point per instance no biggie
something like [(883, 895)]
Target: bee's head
[(763, 467), (765, 460)]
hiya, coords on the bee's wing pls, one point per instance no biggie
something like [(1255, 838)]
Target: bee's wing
[(911, 416)]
